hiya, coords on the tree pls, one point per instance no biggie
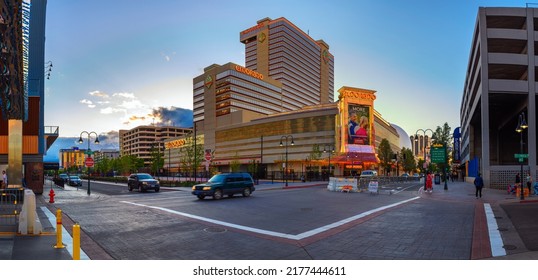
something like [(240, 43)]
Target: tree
[(190, 155), (235, 164), (157, 160), (385, 154), (408, 160)]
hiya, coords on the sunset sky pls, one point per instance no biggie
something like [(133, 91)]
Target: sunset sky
[(123, 63)]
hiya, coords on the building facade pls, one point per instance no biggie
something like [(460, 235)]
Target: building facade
[(305, 67), (143, 141), (24, 138), (500, 87)]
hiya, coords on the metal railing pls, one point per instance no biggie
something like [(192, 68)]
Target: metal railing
[(10, 208)]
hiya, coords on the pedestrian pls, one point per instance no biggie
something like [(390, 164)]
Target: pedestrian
[(429, 183), (479, 184), (536, 188), (4, 178), (529, 183)]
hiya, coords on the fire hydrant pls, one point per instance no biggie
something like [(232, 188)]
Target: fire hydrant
[(51, 196)]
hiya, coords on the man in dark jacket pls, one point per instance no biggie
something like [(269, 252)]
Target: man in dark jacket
[(479, 184)]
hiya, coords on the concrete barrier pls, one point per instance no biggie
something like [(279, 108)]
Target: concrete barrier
[(28, 220)]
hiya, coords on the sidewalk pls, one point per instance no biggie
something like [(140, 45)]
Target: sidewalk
[(516, 220)]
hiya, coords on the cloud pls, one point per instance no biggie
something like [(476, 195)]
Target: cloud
[(87, 102), (168, 57), (128, 95), (98, 93)]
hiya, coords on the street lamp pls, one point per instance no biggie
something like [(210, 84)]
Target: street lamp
[(521, 125), (286, 166), (80, 141), (330, 152), (423, 148)]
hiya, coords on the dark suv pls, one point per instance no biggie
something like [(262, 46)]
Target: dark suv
[(225, 184), (142, 182)]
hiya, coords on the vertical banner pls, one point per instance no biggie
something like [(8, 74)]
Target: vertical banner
[(358, 130)]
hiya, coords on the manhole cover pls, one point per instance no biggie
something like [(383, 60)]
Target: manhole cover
[(509, 247), (215, 229), (502, 229)]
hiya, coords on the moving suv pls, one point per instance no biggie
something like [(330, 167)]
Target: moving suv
[(142, 182), (225, 184)]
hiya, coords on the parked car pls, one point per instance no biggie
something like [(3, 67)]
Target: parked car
[(406, 175), (368, 173), (142, 182), (225, 184), (74, 181), (64, 177)]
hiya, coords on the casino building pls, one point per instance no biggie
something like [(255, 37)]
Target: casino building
[(275, 111)]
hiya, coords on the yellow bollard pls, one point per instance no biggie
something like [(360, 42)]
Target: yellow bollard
[(59, 244), (76, 241)]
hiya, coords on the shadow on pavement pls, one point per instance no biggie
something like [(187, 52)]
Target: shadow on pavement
[(524, 217)]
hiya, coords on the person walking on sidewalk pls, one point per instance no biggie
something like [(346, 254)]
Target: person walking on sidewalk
[(479, 184)]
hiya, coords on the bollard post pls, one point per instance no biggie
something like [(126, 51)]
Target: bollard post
[(76, 241), (59, 244)]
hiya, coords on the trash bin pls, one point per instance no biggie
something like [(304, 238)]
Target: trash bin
[(437, 179)]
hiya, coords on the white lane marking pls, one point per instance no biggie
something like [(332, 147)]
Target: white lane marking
[(274, 233), (67, 240), (495, 239)]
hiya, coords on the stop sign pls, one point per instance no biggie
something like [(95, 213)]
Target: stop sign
[(207, 155), (89, 162)]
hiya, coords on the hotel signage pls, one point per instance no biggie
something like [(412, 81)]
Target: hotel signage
[(249, 72), (175, 144), (358, 94)]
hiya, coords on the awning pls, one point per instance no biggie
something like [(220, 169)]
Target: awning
[(358, 154)]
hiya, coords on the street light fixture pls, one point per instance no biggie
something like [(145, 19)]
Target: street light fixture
[(521, 125), (423, 148), (331, 150), (281, 144), (80, 141)]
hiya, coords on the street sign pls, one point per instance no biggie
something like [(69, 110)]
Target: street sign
[(438, 153), (89, 162), (521, 156)]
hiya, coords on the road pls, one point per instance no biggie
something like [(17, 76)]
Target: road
[(274, 224)]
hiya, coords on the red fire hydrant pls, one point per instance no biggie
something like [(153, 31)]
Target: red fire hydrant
[(51, 196)]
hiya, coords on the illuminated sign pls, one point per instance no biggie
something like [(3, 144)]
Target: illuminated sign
[(249, 72), (208, 81), (358, 94), (325, 56), (175, 144), (252, 28), (261, 37)]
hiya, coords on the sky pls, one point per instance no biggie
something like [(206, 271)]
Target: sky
[(123, 63)]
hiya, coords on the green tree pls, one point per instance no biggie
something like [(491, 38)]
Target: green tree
[(191, 155), (408, 160), (385, 154), (235, 164), (157, 160)]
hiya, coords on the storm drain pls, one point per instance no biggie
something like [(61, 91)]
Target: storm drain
[(502, 229), (215, 230)]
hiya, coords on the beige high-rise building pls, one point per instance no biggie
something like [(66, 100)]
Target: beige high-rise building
[(305, 67), (142, 140)]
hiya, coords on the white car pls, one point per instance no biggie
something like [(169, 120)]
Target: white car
[(368, 173)]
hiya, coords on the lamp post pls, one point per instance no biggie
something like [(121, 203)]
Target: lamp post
[(331, 150), (281, 144), (521, 125), (80, 141), (423, 148)]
